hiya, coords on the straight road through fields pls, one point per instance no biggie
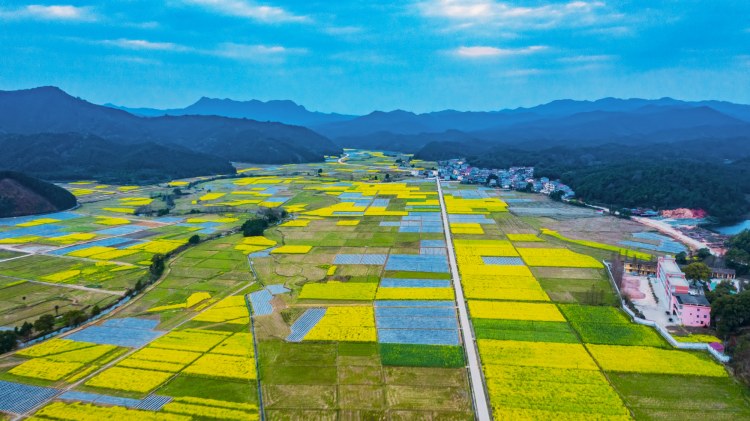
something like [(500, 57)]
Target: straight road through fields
[(472, 355)]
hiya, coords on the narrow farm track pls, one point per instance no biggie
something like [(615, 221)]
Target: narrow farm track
[(14, 258), (69, 286), (475, 369)]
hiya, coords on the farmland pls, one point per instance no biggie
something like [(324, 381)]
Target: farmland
[(344, 310), (550, 346)]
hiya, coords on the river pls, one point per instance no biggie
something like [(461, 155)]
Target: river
[(733, 229)]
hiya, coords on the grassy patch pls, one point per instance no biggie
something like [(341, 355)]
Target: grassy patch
[(220, 389), (422, 355), (677, 397), (523, 330), (608, 325)]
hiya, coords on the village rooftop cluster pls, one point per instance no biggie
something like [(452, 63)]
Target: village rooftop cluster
[(516, 178)]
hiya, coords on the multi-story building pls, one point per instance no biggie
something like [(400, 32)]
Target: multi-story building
[(689, 305)]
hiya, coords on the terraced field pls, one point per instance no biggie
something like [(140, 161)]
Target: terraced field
[(346, 310)]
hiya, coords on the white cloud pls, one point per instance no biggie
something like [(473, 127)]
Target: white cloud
[(255, 52), (141, 44), (245, 52), (485, 51), (469, 13), (250, 10), (49, 12)]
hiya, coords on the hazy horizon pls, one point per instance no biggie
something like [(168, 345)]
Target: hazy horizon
[(510, 108)]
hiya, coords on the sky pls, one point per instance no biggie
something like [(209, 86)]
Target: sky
[(358, 56)]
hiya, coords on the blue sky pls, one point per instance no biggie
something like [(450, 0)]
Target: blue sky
[(357, 56)]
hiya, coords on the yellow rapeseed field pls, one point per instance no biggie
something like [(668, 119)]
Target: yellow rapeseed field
[(509, 310)]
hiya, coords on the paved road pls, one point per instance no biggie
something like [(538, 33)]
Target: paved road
[(475, 370)]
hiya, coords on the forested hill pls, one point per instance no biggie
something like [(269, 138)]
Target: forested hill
[(73, 156), (700, 173), (22, 195), (49, 110)]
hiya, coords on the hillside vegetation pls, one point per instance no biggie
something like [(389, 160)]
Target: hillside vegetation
[(173, 146), (22, 195), (72, 156), (693, 174)]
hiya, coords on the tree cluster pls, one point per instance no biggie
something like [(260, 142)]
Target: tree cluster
[(262, 220), (738, 253), (662, 176), (45, 324)]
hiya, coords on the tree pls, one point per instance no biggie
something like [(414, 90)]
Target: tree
[(741, 359), (74, 317), (730, 313), (557, 195), (387, 178), (25, 330), (45, 323), (254, 227), (157, 265), (194, 239), (722, 289), (738, 260), (95, 310), (320, 171), (8, 341), (703, 253), (681, 258), (625, 213), (738, 255), (272, 215), (617, 266), (697, 272)]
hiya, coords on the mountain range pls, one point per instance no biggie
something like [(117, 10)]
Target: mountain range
[(191, 142), (204, 137), (561, 122), (283, 111)]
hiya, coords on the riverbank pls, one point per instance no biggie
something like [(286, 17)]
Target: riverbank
[(692, 236)]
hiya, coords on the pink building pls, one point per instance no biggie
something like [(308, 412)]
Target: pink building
[(691, 307)]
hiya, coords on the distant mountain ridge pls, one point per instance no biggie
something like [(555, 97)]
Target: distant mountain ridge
[(282, 111), (49, 110), (485, 124), (566, 121)]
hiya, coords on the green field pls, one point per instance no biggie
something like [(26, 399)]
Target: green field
[(548, 330)]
